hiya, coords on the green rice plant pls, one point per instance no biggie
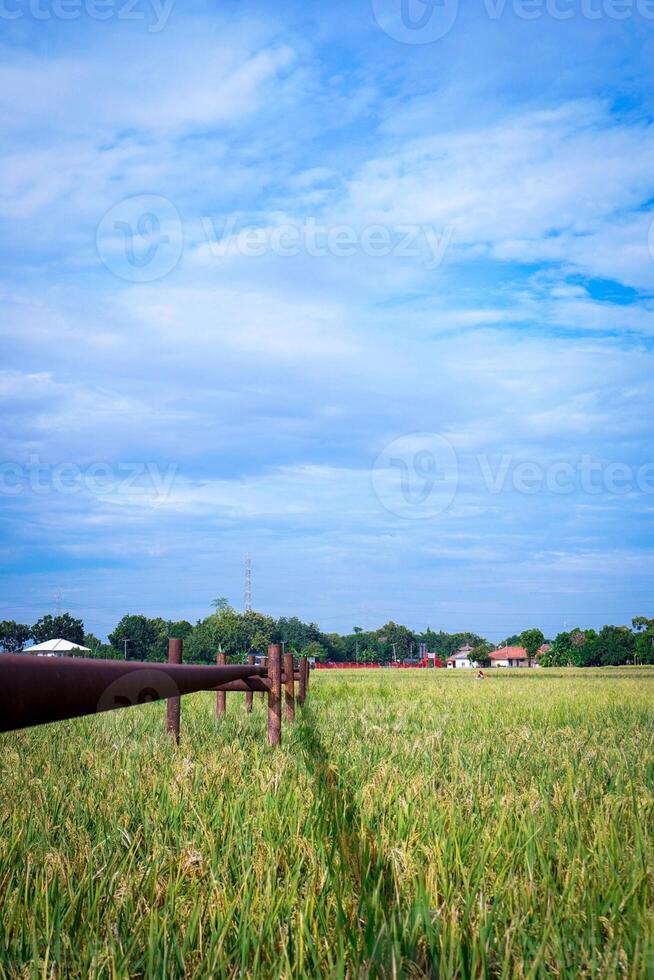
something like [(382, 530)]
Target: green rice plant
[(414, 823)]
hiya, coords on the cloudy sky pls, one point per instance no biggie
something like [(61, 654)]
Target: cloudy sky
[(363, 289)]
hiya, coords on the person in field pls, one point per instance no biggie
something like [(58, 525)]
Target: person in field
[(480, 675)]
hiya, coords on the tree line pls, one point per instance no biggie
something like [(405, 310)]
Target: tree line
[(139, 637), (610, 647)]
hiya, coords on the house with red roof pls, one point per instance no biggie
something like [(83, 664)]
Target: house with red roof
[(511, 657)]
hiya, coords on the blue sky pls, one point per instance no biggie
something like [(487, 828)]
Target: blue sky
[(370, 298)]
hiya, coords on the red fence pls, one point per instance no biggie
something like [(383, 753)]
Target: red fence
[(352, 666)]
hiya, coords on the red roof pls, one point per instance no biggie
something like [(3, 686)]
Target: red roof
[(509, 653)]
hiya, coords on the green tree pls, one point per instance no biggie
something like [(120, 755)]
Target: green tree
[(510, 641), (615, 645), (397, 641), (236, 634), (371, 655), (480, 654), (98, 649), (201, 646), (139, 636), (586, 650), (644, 643), (13, 636), (532, 640), (445, 644), (63, 627), (335, 647), (562, 652), (316, 650), (296, 634), (258, 631), (221, 604), (165, 630), (226, 632)]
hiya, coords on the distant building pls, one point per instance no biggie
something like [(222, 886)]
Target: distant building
[(511, 657), (56, 648), (461, 658)]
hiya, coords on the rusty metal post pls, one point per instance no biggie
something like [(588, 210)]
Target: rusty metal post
[(264, 663), (173, 709), (248, 696), (289, 687), (221, 697), (275, 694), (302, 683)]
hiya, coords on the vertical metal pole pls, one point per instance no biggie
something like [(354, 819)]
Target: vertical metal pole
[(173, 709), (275, 694), (289, 687), (248, 696), (302, 684), (221, 696)]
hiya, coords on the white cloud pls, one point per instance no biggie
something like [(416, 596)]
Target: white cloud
[(551, 185)]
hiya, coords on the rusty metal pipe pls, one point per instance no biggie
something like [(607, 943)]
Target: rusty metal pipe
[(37, 690), (174, 706), (302, 685), (249, 696), (221, 697), (275, 694), (289, 687), (257, 684), (264, 663)]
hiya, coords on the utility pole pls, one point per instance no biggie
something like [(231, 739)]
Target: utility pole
[(357, 630), (125, 642)]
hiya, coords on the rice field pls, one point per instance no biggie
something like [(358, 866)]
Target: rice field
[(413, 824)]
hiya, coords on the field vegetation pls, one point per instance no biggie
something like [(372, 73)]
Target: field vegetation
[(414, 823)]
